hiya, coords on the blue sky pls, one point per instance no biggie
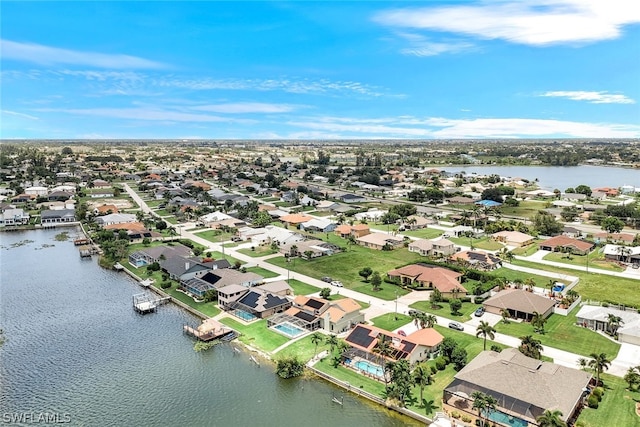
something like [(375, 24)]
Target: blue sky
[(320, 70)]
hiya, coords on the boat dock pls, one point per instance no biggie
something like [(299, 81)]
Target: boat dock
[(209, 330), (86, 251), (147, 303)]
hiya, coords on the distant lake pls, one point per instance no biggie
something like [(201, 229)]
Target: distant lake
[(561, 177)]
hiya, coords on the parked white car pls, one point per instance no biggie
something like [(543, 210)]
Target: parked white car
[(337, 283)]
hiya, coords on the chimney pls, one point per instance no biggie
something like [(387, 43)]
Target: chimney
[(186, 266)]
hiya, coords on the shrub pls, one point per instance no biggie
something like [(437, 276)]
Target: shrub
[(441, 363), (592, 402), (433, 370), (598, 392), (496, 348), (479, 300), (466, 419), (165, 285), (455, 414)]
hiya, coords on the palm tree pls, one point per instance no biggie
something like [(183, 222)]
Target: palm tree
[(478, 402), (429, 321), (613, 323), (383, 350), (551, 419), (421, 376), (599, 363), (529, 283), (538, 321), (505, 315), (490, 404), (316, 338), (485, 329), (415, 316), (332, 342), (530, 347), (583, 363)]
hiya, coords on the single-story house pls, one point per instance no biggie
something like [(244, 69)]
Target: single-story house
[(429, 276), (413, 348), (323, 225), (357, 230), (478, 260), (310, 248), (295, 219), (597, 318), (105, 209), (572, 232), (622, 253), (624, 238), (513, 238), (373, 214), (464, 230), (256, 302), (520, 303), (563, 243), (352, 198), (115, 218), (326, 205), (380, 241), (416, 222), (148, 256), (523, 387)]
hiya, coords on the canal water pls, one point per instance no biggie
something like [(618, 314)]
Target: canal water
[(76, 349)]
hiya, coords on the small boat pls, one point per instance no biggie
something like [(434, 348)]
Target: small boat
[(338, 401), (253, 359)]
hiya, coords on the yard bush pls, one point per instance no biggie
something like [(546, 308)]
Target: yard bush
[(598, 392), (441, 363), (592, 402)]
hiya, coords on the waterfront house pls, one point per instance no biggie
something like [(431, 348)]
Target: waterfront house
[(183, 268), (523, 387), (520, 303), (57, 216), (566, 244), (416, 347), (251, 303), (380, 241), (115, 218), (105, 209), (429, 277), (313, 313), (13, 216), (204, 280), (150, 255), (477, 259)]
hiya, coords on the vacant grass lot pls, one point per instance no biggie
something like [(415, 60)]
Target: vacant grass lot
[(527, 250), (267, 274), (595, 260), (345, 266), (526, 209), (391, 321), (443, 310), (513, 275), (617, 407), (483, 243), (215, 236), (598, 287), (256, 334), (424, 233), (301, 288), (258, 251)]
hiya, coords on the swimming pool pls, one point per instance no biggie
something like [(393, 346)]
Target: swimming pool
[(244, 315), (289, 329), (558, 288), (363, 365), (508, 420)]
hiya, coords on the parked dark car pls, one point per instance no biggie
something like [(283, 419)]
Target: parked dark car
[(479, 312), (457, 326), (327, 279), (413, 312)]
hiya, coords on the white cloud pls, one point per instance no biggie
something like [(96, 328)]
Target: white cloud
[(145, 114), (48, 55), (246, 107), (592, 97), (422, 46), (21, 115), (438, 127), (536, 22)]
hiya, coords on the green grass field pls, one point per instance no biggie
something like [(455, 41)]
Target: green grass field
[(301, 288), (256, 334), (267, 274), (527, 250), (594, 260), (258, 251), (482, 243), (561, 332), (598, 287), (303, 349), (443, 310), (215, 236), (526, 209), (424, 233)]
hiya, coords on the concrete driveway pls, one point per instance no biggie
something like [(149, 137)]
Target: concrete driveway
[(628, 356), (490, 318)]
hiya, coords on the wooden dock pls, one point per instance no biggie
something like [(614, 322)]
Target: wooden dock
[(147, 303), (86, 251)]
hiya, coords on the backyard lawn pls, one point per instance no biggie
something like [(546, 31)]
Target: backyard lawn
[(617, 407), (303, 349), (391, 321), (256, 334), (527, 250), (562, 333), (597, 287)]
